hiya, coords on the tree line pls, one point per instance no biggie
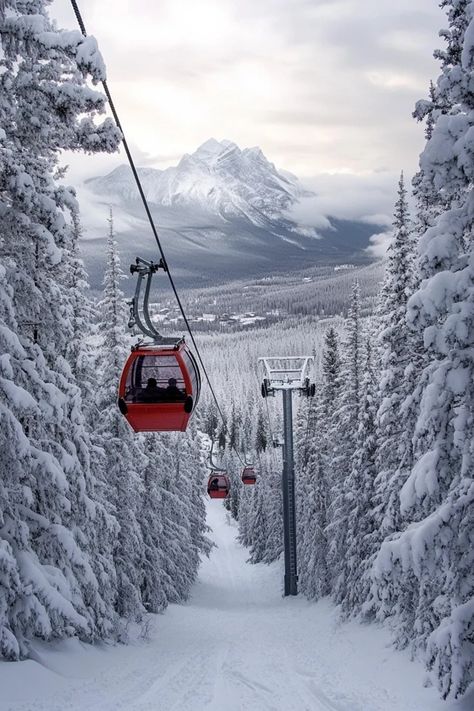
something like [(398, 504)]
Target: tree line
[(97, 526)]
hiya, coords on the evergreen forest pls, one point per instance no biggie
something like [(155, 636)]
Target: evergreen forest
[(101, 527)]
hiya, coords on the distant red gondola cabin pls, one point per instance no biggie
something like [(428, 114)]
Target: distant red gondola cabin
[(159, 388), (249, 476), (218, 485)]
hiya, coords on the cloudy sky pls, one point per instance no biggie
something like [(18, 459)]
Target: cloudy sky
[(324, 87)]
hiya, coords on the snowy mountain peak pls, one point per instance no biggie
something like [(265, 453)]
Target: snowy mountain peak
[(211, 154), (218, 177), (211, 148), (255, 152), (211, 145)]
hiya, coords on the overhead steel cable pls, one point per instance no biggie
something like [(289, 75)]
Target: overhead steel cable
[(113, 110)]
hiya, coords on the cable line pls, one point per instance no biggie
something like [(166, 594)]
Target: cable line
[(153, 226)]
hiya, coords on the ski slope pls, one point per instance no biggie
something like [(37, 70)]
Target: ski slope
[(236, 646)]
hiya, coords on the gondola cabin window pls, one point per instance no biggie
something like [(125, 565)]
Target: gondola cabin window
[(155, 379)]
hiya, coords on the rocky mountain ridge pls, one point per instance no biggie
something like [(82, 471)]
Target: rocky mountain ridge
[(223, 213)]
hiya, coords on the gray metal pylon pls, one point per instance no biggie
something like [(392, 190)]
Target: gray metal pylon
[(288, 374), (289, 508)]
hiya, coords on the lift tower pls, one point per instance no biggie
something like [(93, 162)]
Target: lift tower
[(288, 374)]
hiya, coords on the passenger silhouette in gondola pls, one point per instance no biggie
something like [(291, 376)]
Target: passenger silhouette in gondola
[(152, 393), (214, 485), (172, 392)]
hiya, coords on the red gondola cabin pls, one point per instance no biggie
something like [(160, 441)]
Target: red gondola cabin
[(218, 485), (249, 476), (159, 388)]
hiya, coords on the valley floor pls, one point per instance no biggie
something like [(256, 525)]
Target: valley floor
[(236, 646)]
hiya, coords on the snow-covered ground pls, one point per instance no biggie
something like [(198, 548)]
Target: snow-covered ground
[(236, 646)]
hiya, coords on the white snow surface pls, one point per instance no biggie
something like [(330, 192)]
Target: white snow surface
[(238, 645)]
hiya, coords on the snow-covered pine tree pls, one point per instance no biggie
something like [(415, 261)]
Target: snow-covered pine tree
[(341, 437), (183, 519), (222, 435), (81, 358), (271, 478), (437, 500), (15, 404), (151, 513), (261, 437), (242, 435), (45, 107), (125, 459), (173, 517), (331, 374), (210, 419), (398, 362), (246, 514), (247, 502), (91, 523), (194, 472), (233, 466), (318, 456), (361, 523), (312, 502), (260, 524), (79, 352), (261, 512), (428, 199), (247, 428), (401, 356), (235, 424)]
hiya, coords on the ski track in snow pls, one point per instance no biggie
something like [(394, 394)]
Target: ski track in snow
[(238, 645)]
